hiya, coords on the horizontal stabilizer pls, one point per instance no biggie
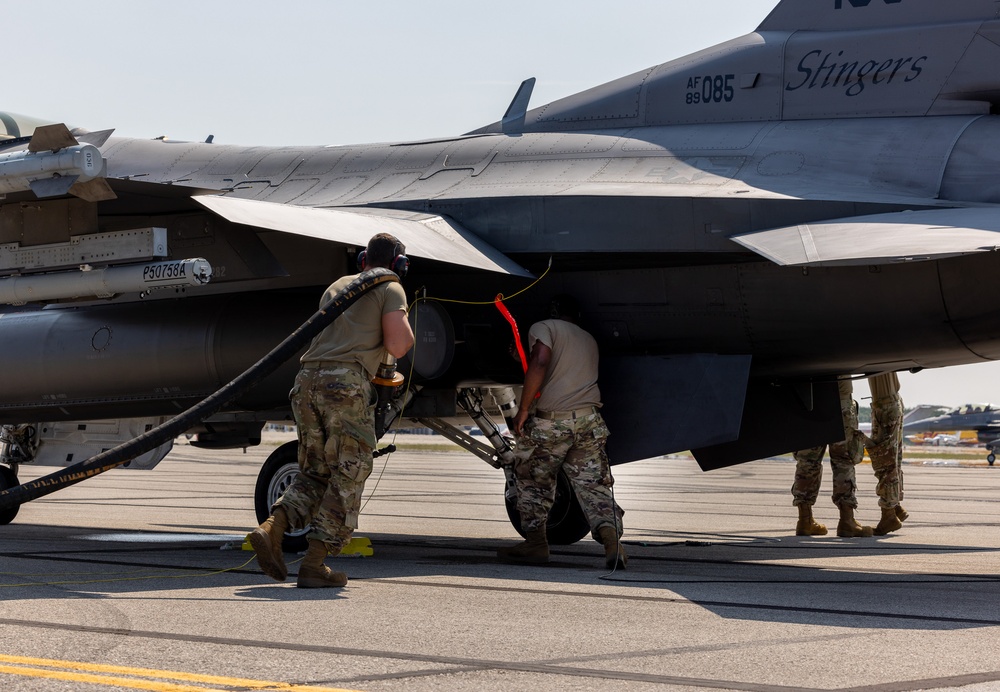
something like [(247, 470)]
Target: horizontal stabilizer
[(906, 236), (424, 235)]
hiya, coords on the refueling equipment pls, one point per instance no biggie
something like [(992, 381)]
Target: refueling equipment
[(387, 380)]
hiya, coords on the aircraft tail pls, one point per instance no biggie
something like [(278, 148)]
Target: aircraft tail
[(839, 15), (808, 60), (923, 412)]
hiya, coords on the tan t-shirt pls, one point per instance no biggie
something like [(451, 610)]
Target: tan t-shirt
[(571, 379), (356, 336)]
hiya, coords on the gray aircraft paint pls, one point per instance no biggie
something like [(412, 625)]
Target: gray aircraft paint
[(662, 197)]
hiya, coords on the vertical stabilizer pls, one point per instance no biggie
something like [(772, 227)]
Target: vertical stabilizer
[(837, 15)]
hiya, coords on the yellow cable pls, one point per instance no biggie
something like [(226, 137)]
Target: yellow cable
[(500, 296)]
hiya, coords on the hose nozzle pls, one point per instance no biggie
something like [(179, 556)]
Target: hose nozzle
[(386, 381)]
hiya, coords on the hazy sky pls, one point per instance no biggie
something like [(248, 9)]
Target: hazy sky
[(331, 72)]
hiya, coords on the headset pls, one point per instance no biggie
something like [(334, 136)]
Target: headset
[(400, 263), (564, 305)]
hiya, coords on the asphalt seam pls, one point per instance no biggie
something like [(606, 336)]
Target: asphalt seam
[(472, 664), (697, 602)]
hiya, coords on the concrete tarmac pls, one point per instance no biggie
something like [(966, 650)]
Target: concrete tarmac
[(136, 580)]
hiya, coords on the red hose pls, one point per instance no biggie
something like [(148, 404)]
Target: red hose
[(513, 326)]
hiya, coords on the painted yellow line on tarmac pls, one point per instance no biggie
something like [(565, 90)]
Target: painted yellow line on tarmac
[(160, 680)]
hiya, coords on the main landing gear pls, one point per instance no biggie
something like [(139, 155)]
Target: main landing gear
[(276, 475), (567, 523)]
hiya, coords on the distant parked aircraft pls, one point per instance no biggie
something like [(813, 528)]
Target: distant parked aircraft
[(983, 419)]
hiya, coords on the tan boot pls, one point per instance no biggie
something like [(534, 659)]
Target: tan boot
[(901, 513), (806, 525), (266, 542), (313, 574), (849, 527), (533, 550), (889, 522), (614, 552)]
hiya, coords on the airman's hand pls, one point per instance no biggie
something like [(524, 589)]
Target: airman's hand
[(519, 421), (512, 350)]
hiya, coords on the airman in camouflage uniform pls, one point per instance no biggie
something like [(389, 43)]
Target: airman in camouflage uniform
[(885, 447), (333, 401), (575, 445), (844, 456), (335, 410), (563, 430)]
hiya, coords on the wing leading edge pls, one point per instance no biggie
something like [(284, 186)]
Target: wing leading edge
[(906, 236), (425, 235)]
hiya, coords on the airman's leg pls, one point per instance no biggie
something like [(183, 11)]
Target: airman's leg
[(805, 489)]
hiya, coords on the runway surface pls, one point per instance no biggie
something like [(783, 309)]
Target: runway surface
[(135, 580)]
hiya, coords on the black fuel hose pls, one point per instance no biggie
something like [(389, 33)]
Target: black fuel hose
[(116, 456)]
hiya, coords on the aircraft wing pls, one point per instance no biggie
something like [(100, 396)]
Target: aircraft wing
[(905, 236), (425, 235)]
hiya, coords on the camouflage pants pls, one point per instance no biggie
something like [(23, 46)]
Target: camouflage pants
[(844, 456), (809, 475), (886, 449), (577, 447), (334, 409)]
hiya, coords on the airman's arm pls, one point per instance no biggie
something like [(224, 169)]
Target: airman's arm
[(538, 365), (397, 337)]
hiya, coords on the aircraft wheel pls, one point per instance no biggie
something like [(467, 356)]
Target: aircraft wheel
[(8, 479), (567, 524), (991, 457), (276, 475)]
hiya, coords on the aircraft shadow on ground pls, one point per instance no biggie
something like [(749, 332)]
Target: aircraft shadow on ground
[(734, 577)]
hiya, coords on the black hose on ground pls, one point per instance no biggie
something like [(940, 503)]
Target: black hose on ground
[(116, 456)]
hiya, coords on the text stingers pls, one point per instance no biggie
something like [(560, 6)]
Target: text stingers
[(824, 71)]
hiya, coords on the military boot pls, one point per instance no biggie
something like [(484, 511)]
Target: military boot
[(614, 552), (533, 550), (889, 522), (901, 513), (313, 574), (807, 526), (266, 542), (849, 527)]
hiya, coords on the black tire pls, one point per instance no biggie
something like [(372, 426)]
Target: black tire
[(8, 479), (277, 473), (567, 523), (991, 457)]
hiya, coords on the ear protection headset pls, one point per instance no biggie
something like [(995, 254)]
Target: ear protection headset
[(400, 263), (564, 305)]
